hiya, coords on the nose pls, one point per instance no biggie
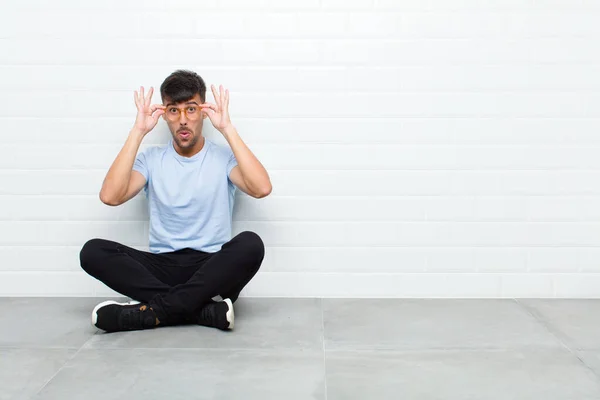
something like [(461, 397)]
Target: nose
[(182, 118)]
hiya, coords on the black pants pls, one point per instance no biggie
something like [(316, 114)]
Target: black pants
[(175, 284)]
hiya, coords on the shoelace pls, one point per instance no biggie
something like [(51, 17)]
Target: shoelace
[(207, 314), (136, 318)]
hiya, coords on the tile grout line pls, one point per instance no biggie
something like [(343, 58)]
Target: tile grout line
[(323, 347), (65, 363), (557, 336)]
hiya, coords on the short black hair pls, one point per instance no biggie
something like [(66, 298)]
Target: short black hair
[(182, 85)]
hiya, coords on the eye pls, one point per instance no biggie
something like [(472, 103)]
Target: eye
[(173, 110), (192, 109)]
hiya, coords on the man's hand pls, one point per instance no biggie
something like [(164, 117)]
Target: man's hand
[(147, 115), (218, 113)]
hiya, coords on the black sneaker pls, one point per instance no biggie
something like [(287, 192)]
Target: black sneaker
[(111, 316), (217, 315)]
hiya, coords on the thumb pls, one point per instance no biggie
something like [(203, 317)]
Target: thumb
[(157, 114)]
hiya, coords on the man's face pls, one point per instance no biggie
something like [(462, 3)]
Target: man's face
[(185, 121)]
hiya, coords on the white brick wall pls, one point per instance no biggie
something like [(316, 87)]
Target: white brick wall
[(417, 148)]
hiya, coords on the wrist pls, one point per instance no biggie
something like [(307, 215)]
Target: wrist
[(229, 130), (137, 133)]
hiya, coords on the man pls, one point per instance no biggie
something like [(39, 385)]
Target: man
[(190, 185)]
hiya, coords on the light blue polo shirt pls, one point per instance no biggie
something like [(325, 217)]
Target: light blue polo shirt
[(190, 199)]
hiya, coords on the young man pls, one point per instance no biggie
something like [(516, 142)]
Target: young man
[(190, 185)]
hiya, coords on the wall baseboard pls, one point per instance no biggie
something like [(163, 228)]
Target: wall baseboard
[(339, 285)]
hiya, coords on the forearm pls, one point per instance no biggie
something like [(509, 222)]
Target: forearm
[(254, 173), (117, 179)]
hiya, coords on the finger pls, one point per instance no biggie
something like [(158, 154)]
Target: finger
[(226, 105), (209, 106), (214, 91), (135, 98), (155, 107), (221, 96), (149, 97)]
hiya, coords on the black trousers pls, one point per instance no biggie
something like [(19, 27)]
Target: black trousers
[(175, 284)]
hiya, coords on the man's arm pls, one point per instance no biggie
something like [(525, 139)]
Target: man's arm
[(250, 176), (116, 186), (121, 182)]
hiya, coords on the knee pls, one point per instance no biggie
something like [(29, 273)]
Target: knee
[(252, 244), (89, 255)]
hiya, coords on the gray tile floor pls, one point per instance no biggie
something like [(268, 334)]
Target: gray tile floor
[(310, 349)]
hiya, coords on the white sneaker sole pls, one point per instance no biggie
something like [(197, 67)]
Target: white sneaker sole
[(230, 314), (105, 303)]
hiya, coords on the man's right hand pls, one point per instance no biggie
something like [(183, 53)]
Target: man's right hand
[(147, 115)]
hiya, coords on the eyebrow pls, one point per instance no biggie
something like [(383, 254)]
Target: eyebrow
[(189, 102)]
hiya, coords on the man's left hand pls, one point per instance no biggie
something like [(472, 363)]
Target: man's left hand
[(218, 113)]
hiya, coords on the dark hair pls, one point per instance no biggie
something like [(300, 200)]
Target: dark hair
[(182, 85)]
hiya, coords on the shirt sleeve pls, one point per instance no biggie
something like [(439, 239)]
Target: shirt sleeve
[(231, 162), (141, 164)]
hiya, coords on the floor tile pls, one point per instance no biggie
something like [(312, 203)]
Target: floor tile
[(25, 371), (189, 374), (431, 324), (576, 322), (591, 358), (46, 322), (465, 374), (259, 324)]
